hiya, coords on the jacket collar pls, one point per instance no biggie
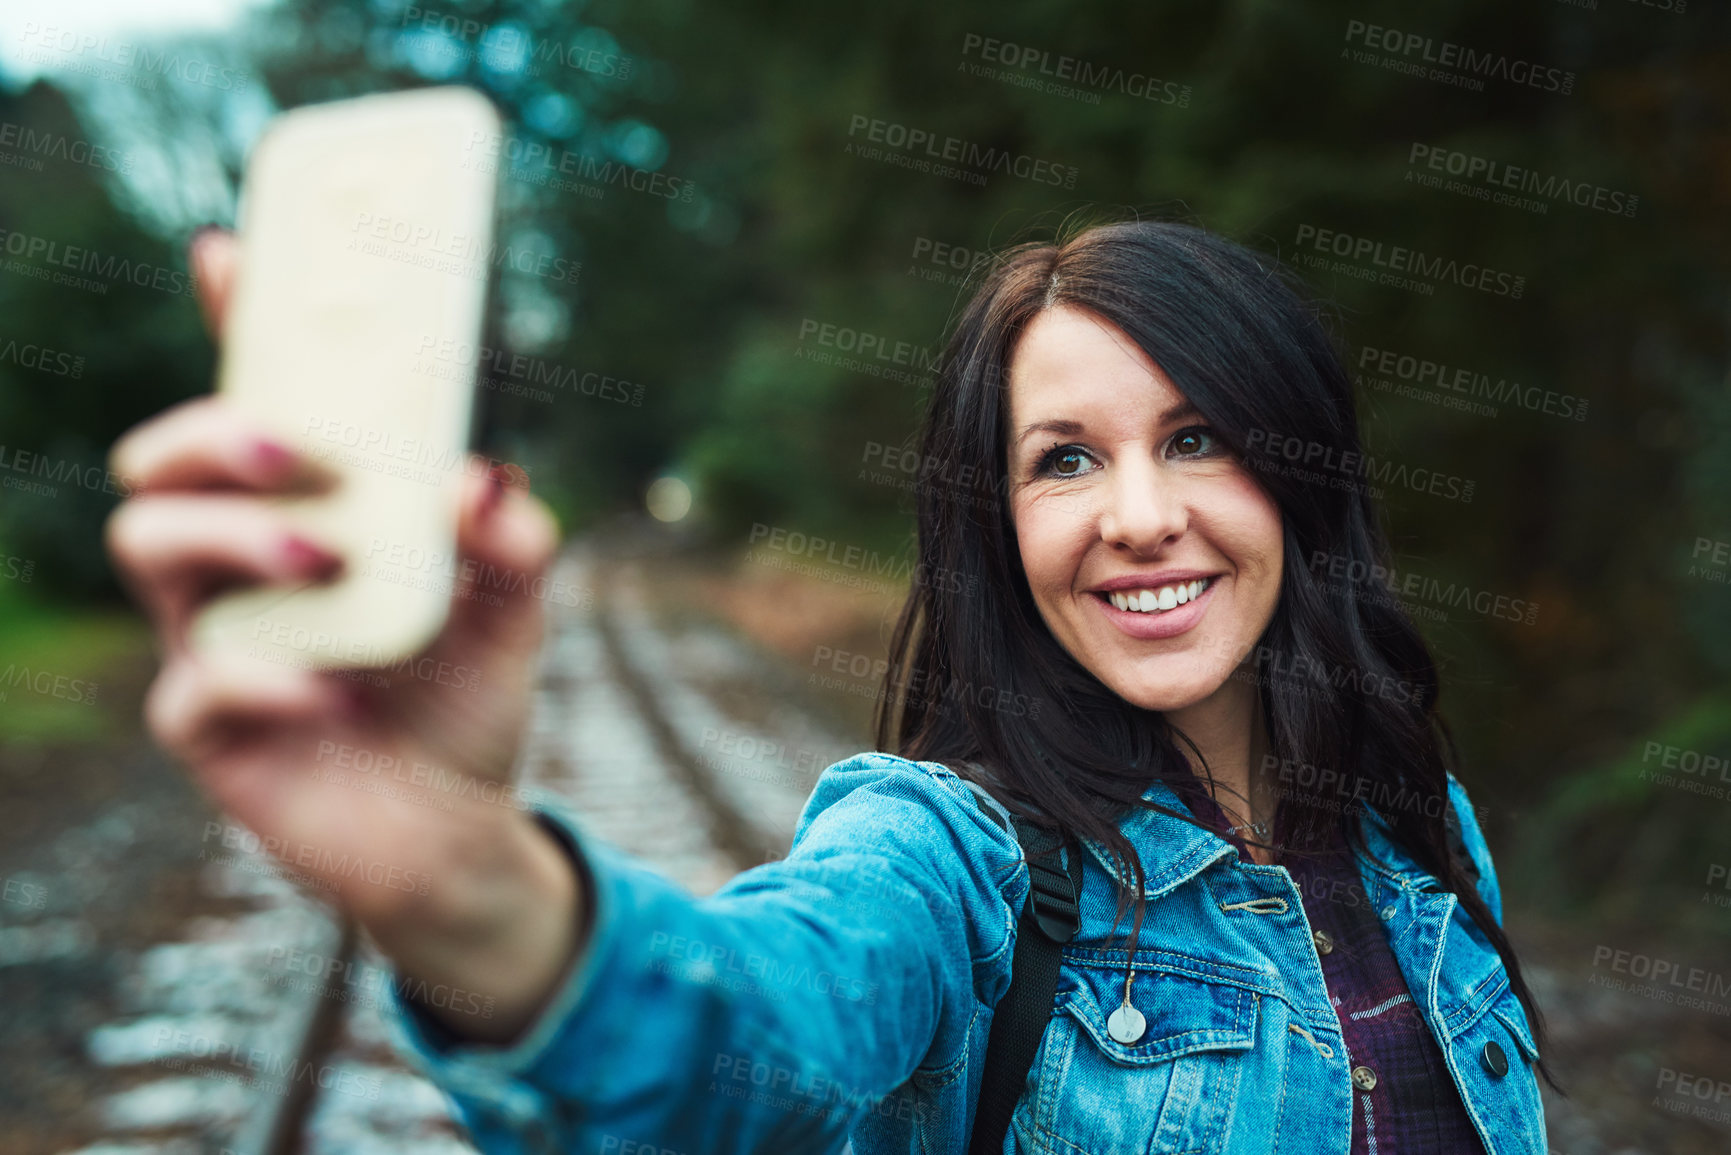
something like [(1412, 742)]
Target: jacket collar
[(1388, 859), (1174, 851)]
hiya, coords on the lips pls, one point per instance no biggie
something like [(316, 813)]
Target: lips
[(1153, 579), (1157, 623)]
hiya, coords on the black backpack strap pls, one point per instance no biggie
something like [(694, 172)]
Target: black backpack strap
[(1050, 918)]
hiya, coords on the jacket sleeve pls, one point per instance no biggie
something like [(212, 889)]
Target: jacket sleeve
[(772, 1015), (1477, 848)]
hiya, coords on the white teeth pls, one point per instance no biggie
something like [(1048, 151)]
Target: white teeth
[(1149, 601)]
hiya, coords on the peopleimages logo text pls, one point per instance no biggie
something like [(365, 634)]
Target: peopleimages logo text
[(124, 54), (1083, 73), (1400, 259), (1449, 55), (980, 158), (35, 251), (1493, 177), (55, 146)]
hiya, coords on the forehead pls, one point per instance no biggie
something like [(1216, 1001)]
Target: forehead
[(1071, 359)]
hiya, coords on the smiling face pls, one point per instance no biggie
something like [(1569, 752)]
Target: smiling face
[(1119, 490)]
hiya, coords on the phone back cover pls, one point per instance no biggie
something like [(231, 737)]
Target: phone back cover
[(353, 332)]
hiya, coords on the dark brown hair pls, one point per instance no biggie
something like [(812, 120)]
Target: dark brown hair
[(979, 677)]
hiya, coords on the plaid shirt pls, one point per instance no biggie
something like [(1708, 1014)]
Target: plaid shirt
[(1403, 1099)]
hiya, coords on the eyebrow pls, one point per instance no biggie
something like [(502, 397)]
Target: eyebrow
[(1067, 428)]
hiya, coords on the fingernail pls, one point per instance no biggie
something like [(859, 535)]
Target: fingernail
[(509, 475), (307, 559), (272, 455), (495, 491)]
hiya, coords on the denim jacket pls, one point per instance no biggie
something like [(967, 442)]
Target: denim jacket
[(846, 992)]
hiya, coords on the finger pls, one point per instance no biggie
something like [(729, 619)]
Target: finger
[(202, 708), (214, 255), (206, 443), (179, 551), (509, 535)]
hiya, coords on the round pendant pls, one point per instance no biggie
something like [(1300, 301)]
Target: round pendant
[(1126, 1024)]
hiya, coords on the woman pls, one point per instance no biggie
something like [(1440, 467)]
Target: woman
[(1281, 947)]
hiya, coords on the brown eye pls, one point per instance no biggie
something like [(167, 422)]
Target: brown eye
[(1197, 441), (1048, 465)]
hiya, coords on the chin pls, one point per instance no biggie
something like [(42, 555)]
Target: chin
[(1165, 694)]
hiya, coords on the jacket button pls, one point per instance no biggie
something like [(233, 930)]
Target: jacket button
[(1126, 1024), (1324, 943), (1494, 1060), (1363, 1078)]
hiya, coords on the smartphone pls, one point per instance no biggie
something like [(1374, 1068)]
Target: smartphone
[(365, 235)]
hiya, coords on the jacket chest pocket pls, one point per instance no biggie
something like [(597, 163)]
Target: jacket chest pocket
[(1170, 1089)]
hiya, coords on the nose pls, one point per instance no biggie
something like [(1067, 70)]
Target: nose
[(1144, 507)]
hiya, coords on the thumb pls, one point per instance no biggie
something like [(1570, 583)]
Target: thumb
[(213, 254), (506, 537)]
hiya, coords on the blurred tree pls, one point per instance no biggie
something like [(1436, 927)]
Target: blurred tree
[(78, 363)]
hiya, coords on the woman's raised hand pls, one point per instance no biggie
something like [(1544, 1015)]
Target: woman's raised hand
[(394, 799)]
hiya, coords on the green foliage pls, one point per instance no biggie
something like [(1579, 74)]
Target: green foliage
[(78, 364), (56, 664)]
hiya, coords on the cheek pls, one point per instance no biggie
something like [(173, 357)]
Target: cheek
[(1246, 525), (1050, 542), (1261, 540)]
